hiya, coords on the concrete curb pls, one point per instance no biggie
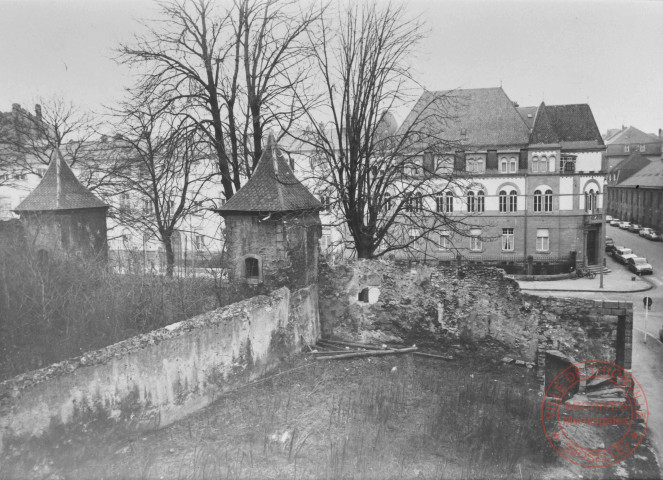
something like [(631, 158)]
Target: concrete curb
[(650, 287)]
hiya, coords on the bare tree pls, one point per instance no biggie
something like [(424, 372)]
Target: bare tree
[(56, 123), (227, 71), (162, 164), (384, 182)]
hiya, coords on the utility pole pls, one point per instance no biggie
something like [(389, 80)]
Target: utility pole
[(602, 233)]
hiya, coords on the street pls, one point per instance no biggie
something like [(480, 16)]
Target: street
[(647, 366)]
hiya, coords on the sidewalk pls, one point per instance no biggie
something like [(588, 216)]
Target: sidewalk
[(618, 280)]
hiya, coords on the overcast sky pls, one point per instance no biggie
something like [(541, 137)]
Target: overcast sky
[(605, 53)]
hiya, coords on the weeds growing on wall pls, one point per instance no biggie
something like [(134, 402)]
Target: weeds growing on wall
[(54, 309)]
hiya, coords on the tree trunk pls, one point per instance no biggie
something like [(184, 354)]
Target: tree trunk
[(364, 248), (167, 240)]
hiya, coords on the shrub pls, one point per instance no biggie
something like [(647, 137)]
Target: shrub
[(55, 309)]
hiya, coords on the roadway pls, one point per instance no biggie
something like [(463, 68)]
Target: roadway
[(647, 360)]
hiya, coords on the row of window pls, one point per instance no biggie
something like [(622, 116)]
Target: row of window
[(641, 148), (507, 240), (508, 202)]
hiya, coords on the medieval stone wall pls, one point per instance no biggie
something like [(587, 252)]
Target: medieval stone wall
[(420, 304), (76, 232), (286, 246), (152, 380)]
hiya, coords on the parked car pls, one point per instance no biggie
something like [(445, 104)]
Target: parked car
[(608, 218), (634, 227), (609, 244), (614, 222), (624, 225), (644, 231), (639, 265), (622, 254), (653, 235)]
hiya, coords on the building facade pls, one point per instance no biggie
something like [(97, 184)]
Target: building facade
[(532, 183), (638, 198), (621, 144)]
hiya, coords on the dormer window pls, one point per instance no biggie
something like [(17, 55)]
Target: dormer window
[(627, 148)]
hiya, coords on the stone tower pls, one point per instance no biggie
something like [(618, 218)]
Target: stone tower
[(62, 218), (272, 226)]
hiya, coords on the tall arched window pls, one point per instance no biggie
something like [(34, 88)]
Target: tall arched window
[(449, 202), (504, 165), (535, 164), (513, 201), (502, 201), (548, 201), (439, 202), (387, 202), (537, 200), (513, 165), (471, 165), (481, 205), (418, 202), (590, 201), (552, 162), (471, 205), (480, 166), (543, 164)]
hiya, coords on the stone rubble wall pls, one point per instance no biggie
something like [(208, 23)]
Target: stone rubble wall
[(151, 380), (474, 303)]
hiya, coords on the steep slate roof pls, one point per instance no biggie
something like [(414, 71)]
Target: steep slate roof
[(631, 165), (59, 190), (543, 131), (487, 115), (649, 176), (272, 187), (574, 125), (632, 135), (528, 115)]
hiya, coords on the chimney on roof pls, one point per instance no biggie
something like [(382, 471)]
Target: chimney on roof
[(38, 111)]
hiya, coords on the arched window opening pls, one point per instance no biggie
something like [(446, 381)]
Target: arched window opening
[(449, 207), (502, 196), (552, 162), (481, 205), (418, 202), (537, 200), (439, 202), (471, 205), (535, 164), (513, 165), (480, 166), (251, 268), (513, 201), (387, 202), (504, 165), (548, 201)]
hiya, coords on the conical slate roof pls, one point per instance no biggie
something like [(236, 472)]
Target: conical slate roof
[(272, 187), (59, 190)]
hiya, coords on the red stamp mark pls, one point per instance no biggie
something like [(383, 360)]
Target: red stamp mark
[(594, 413)]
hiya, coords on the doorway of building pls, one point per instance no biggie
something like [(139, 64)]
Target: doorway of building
[(591, 249)]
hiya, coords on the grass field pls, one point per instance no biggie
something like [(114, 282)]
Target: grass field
[(384, 417)]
